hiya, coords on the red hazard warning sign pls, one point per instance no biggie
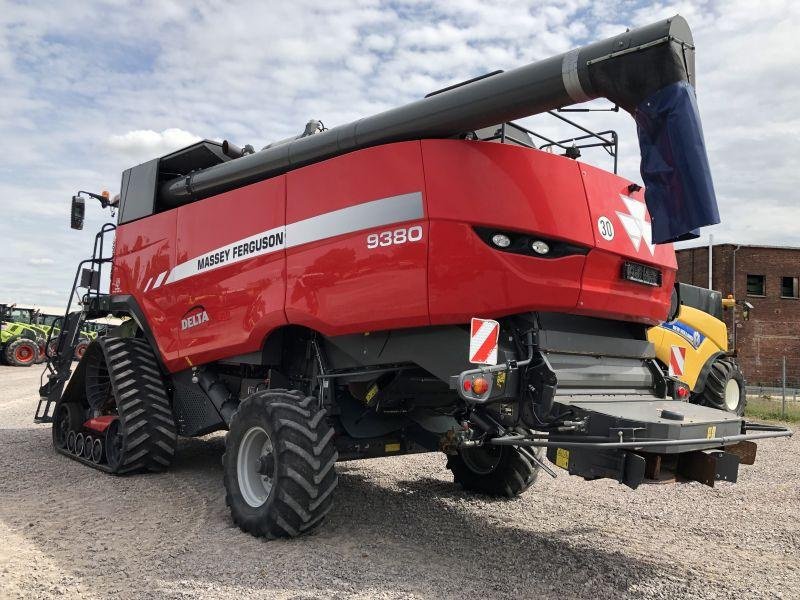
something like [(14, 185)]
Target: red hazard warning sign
[(483, 337), (677, 358)]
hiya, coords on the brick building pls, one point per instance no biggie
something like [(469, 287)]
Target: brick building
[(766, 277)]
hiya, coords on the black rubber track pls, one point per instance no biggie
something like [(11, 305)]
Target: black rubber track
[(149, 436), (713, 395), (304, 456), (513, 475)]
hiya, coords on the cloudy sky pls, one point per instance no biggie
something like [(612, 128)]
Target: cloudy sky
[(91, 88)]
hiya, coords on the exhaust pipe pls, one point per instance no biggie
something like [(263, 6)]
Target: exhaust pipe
[(648, 71), (231, 150)]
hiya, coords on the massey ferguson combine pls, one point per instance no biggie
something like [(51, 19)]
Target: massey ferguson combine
[(425, 279)]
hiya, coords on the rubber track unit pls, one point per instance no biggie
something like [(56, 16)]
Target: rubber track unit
[(513, 475), (304, 454), (149, 434)]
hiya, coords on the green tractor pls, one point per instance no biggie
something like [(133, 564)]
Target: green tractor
[(21, 344), (52, 322)]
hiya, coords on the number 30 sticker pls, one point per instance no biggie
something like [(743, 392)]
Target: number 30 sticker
[(606, 228)]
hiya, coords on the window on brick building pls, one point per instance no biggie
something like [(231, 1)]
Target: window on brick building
[(755, 285), (789, 288)]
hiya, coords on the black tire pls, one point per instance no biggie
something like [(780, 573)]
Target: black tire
[(718, 392), (80, 349), (501, 471), (67, 417), (22, 352), (42, 356), (147, 435), (301, 464)]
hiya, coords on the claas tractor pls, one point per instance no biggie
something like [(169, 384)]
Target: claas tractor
[(693, 348), (434, 278), (21, 345), (52, 323)]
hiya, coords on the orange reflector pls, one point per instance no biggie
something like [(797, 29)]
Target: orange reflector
[(480, 386)]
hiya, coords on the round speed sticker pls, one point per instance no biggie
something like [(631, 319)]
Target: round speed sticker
[(606, 228)]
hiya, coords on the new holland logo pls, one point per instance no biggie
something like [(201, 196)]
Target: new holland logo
[(636, 224), (196, 316)]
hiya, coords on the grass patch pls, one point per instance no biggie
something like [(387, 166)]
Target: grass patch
[(770, 409)]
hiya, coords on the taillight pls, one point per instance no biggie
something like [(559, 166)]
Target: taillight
[(480, 386)]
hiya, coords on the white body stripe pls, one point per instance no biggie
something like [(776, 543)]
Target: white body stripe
[(231, 252), (159, 279), (377, 213)]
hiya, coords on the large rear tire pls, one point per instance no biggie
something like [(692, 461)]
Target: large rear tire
[(503, 471), (725, 387), (279, 461), (22, 352)]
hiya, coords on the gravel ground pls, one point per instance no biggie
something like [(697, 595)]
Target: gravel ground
[(400, 529)]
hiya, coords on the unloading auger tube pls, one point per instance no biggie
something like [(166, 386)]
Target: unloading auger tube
[(634, 70)]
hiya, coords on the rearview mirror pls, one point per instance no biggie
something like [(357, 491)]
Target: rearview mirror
[(78, 211)]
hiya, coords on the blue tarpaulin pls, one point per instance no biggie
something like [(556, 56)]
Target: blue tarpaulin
[(678, 189)]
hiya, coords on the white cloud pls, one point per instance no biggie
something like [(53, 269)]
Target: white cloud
[(148, 143), (36, 262)]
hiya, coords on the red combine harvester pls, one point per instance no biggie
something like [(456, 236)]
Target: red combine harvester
[(426, 279)]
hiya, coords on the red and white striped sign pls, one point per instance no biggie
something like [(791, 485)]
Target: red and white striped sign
[(677, 358), (483, 337)]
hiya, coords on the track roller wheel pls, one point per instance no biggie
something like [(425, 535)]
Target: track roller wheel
[(97, 451), (724, 387), (279, 461), (67, 420), (503, 471)]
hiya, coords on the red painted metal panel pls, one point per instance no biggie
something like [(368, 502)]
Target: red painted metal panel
[(468, 278), (243, 301), (510, 188), (604, 292), (504, 186), (339, 285), (143, 250), (336, 274)]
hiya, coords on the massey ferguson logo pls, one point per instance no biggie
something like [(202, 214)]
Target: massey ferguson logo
[(196, 316), (636, 224)]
